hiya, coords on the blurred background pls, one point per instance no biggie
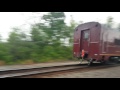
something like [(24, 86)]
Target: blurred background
[(34, 37)]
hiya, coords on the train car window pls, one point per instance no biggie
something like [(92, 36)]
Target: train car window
[(117, 42), (86, 35)]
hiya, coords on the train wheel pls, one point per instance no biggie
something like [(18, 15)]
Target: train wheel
[(103, 62), (114, 59), (117, 61)]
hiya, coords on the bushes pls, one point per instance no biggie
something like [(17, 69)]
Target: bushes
[(43, 43)]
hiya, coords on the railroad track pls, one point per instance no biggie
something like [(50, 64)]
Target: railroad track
[(50, 71), (34, 71)]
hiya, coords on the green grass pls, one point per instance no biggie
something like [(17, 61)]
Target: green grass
[(29, 62)]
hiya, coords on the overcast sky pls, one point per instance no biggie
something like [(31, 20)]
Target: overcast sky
[(23, 19)]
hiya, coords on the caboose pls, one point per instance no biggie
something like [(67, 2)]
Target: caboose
[(99, 42)]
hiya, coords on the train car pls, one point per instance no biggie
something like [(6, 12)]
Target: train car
[(99, 42)]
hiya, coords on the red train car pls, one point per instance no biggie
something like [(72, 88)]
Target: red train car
[(100, 43)]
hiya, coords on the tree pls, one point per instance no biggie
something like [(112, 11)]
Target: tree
[(118, 26), (56, 26), (19, 46), (0, 38), (110, 21), (71, 28), (47, 36)]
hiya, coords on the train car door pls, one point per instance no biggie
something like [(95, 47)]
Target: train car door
[(85, 37)]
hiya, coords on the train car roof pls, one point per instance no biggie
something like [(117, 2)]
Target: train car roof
[(87, 25)]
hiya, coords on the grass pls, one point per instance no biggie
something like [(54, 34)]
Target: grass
[(2, 63), (30, 62), (20, 62)]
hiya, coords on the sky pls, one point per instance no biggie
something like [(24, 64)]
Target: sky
[(9, 20)]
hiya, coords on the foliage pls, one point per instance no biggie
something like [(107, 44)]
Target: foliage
[(110, 22)]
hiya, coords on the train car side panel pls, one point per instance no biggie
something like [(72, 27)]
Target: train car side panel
[(94, 42), (76, 44), (110, 39)]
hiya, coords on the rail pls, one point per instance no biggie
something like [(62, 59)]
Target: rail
[(39, 72)]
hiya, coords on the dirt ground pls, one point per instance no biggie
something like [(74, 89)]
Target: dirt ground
[(113, 72)]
